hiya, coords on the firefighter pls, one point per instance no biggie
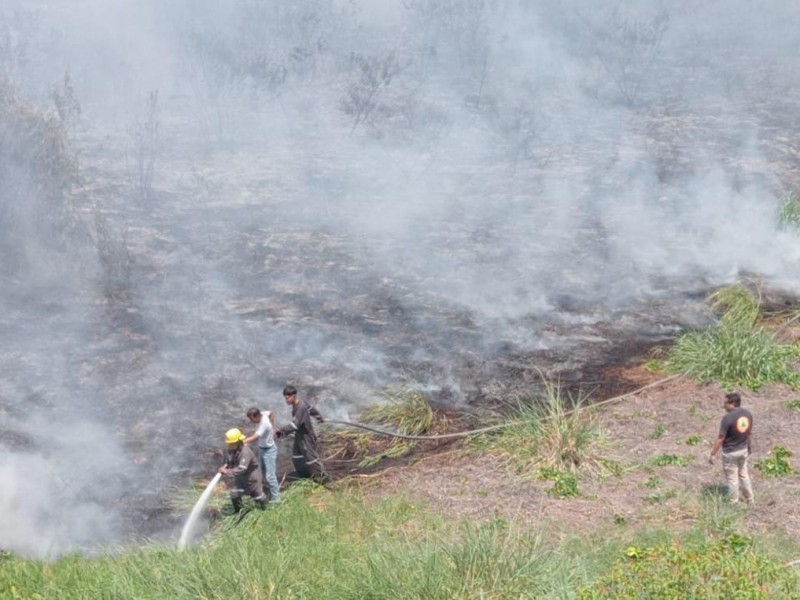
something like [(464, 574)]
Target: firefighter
[(241, 466), (305, 453)]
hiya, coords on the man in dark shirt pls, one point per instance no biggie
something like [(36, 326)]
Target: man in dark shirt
[(734, 439), (305, 453)]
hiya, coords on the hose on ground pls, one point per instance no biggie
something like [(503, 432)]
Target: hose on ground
[(461, 434)]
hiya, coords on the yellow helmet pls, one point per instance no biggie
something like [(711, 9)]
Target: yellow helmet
[(233, 436)]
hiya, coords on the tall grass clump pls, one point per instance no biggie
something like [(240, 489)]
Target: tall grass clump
[(738, 307), (549, 435), (738, 351), (407, 412)]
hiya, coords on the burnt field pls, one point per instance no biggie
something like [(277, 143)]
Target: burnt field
[(465, 199)]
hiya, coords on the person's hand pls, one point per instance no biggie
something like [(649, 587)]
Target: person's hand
[(711, 459), (223, 469), (320, 419)]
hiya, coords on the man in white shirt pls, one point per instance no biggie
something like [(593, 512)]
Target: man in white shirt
[(267, 450)]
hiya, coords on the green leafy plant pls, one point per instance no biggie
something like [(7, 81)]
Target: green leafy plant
[(777, 465), (693, 440), (565, 485), (669, 460), (793, 404)]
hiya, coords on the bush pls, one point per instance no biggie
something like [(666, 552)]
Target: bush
[(728, 567)]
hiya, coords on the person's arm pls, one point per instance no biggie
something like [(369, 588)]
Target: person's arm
[(297, 422), (717, 445), (316, 414), (262, 427)]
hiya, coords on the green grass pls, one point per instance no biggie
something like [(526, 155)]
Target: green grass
[(735, 358), (669, 460), (320, 544), (730, 566), (659, 430), (738, 352), (316, 546), (738, 307), (556, 433)]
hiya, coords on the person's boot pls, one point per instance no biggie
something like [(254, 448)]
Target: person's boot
[(237, 505)]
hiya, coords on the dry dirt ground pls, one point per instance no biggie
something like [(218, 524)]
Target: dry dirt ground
[(657, 421)]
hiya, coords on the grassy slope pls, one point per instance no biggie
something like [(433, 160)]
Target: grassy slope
[(322, 544)]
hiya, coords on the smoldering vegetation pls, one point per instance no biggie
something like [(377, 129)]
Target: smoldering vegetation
[(201, 201)]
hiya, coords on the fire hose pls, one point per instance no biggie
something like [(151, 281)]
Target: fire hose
[(460, 434)]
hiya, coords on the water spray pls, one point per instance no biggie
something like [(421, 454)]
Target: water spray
[(198, 508)]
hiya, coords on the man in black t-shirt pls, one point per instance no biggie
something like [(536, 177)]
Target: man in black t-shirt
[(734, 439)]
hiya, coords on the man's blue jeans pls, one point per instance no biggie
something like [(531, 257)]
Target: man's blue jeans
[(267, 460)]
